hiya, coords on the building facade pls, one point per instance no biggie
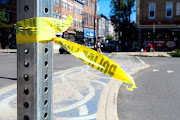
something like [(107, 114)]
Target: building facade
[(105, 27), (83, 18), (158, 23)]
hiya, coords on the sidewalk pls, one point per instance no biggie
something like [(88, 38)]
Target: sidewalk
[(144, 54), (80, 93)]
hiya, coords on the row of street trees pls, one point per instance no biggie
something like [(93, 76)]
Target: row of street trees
[(120, 15)]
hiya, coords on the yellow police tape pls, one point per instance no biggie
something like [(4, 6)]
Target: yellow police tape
[(43, 29)]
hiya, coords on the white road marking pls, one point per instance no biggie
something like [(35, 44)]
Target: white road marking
[(89, 117), (79, 96), (79, 103), (169, 71), (140, 60), (5, 109), (83, 110), (155, 70)]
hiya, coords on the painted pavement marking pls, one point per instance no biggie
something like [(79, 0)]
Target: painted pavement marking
[(155, 70), (83, 110), (170, 71)]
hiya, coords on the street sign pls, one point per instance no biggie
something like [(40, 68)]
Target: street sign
[(66, 33)]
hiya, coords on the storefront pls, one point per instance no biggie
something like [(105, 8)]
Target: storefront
[(89, 36), (164, 39)]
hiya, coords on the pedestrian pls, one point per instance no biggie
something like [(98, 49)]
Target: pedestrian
[(98, 46), (151, 47)]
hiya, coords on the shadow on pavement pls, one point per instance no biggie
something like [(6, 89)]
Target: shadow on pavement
[(9, 78)]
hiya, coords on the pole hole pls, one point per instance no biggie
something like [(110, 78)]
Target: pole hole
[(46, 50), (26, 50), (26, 117), (26, 77), (46, 63), (45, 102), (45, 115), (46, 76), (26, 91), (26, 64), (46, 89), (46, 10), (26, 8), (26, 104)]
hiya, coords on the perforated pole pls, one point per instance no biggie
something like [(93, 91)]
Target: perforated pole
[(34, 67)]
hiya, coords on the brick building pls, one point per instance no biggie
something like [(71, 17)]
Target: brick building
[(158, 22), (82, 12)]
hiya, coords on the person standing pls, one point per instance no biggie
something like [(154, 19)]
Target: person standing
[(151, 47)]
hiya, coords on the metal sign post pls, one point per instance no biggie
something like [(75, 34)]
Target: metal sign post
[(34, 67)]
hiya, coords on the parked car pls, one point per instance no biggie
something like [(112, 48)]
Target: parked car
[(111, 45), (62, 50)]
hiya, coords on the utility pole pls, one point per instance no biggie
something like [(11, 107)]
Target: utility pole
[(34, 66), (95, 23)]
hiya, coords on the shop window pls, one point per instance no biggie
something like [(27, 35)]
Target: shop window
[(151, 10), (178, 8), (4, 1), (169, 10), (64, 5)]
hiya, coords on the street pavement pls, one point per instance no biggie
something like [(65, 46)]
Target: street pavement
[(157, 95), (76, 91)]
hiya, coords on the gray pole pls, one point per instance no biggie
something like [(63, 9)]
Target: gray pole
[(34, 67)]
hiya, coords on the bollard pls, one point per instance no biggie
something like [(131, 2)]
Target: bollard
[(34, 67)]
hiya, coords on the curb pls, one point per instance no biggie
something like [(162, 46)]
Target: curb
[(107, 107)]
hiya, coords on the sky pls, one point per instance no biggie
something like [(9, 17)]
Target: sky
[(104, 8)]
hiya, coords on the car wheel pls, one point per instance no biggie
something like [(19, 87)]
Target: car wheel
[(61, 52)]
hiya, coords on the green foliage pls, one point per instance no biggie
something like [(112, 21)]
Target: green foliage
[(176, 53), (109, 37), (3, 18), (120, 15)]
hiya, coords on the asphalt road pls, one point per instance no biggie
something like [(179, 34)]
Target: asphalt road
[(8, 66), (158, 94)]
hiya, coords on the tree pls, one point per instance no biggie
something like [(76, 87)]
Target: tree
[(109, 37), (120, 15), (3, 18)]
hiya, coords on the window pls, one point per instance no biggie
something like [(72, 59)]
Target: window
[(64, 5), (4, 1), (169, 10), (70, 7), (56, 15), (71, 24), (80, 11), (75, 9), (64, 17), (151, 10), (178, 8), (81, 24), (56, 2), (76, 23), (85, 18)]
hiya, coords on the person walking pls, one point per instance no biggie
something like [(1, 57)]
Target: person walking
[(98, 46)]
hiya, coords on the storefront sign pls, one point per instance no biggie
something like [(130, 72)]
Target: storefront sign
[(89, 34)]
